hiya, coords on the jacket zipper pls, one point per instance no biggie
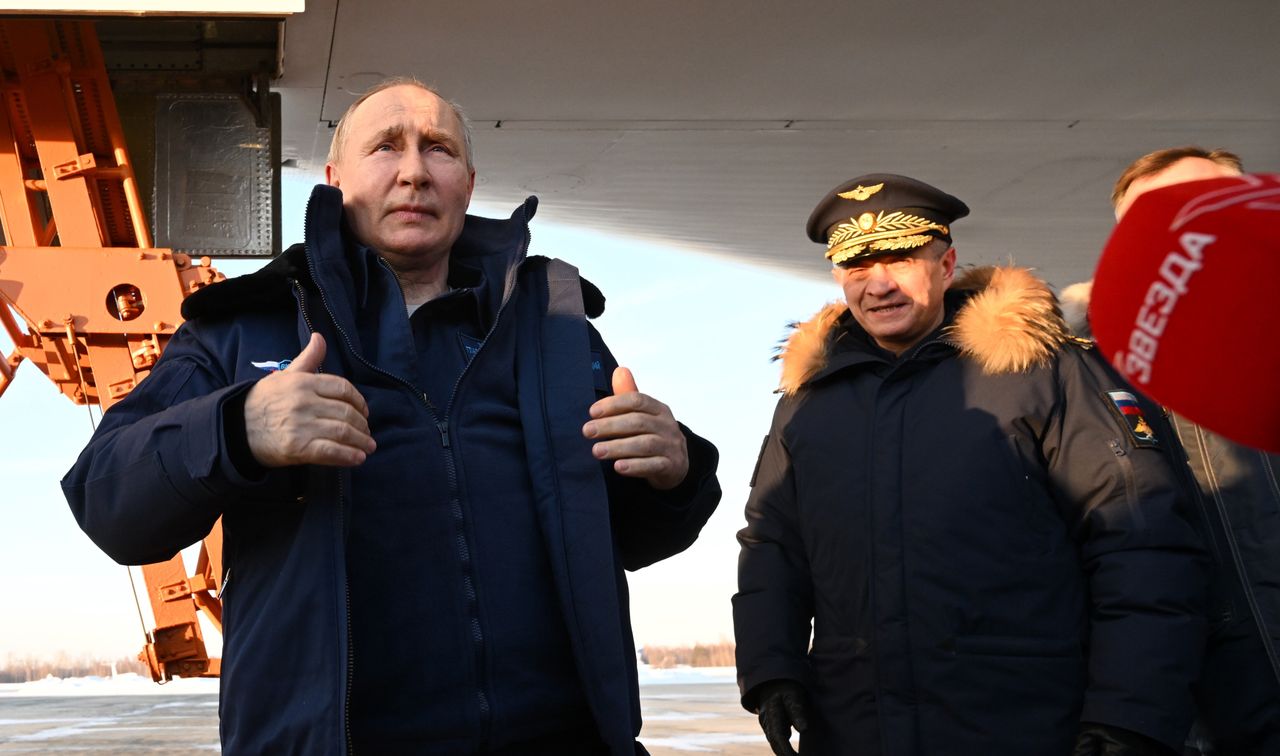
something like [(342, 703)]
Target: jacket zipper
[(346, 585), (1130, 485), (915, 350), (454, 498), (351, 645)]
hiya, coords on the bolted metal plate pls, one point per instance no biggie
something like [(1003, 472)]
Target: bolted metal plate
[(217, 183)]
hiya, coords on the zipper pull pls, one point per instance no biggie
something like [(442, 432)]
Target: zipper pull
[(443, 426)]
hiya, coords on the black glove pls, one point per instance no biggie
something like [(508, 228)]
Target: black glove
[(781, 706), (1104, 740)]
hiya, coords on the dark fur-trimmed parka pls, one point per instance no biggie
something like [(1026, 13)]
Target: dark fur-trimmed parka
[(984, 533)]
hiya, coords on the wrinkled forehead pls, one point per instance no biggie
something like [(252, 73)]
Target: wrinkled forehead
[(402, 105)]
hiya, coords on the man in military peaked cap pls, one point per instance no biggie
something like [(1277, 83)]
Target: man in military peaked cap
[(881, 213), (962, 535), (883, 219)]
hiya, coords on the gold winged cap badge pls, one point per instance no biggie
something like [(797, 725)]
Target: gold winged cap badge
[(861, 192)]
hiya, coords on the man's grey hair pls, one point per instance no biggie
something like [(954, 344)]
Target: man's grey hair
[(340, 135), (939, 246)]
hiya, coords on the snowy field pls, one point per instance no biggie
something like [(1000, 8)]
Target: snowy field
[(136, 685), (686, 710)]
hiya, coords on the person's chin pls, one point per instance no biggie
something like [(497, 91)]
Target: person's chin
[(408, 242), (890, 329)]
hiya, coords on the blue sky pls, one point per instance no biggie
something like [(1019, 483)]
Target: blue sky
[(696, 330)]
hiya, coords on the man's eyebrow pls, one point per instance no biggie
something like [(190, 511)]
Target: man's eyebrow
[(388, 134), (395, 133), (441, 136)]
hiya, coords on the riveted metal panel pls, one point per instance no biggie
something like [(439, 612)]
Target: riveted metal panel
[(217, 183)]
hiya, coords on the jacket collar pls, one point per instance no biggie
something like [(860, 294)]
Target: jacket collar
[(340, 269), (343, 269), (1004, 318)]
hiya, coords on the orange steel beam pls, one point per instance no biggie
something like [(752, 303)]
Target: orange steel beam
[(209, 567), (19, 339), (43, 76), (18, 210), (7, 367), (99, 306), (116, 342)]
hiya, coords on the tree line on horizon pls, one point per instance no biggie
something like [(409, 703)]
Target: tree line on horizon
[(16, 668), (19, 668), (698, 655)]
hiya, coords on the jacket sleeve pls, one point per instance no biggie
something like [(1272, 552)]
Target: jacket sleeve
[(650, 525), (773, 607), (156, 474), (1143, 560)]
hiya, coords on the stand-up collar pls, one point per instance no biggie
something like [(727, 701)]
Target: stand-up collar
[(345, 270), (341, 269)]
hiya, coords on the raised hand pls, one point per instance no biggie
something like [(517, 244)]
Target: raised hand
[(299, 417), (639, 434)]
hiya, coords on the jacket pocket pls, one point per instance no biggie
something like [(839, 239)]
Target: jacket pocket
[(850, 646)]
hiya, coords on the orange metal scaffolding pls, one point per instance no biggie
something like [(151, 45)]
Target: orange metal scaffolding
[(83, 296)]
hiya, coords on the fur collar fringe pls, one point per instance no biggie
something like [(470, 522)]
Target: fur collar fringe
[(1010, 324)]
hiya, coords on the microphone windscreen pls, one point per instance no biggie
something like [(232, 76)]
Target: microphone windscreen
[(1186, 303)]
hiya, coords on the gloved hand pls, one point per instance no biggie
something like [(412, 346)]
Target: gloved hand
[(781, 706), (1104, 740)]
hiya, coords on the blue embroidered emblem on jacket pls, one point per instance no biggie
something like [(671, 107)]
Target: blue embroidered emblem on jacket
[(271, 366)]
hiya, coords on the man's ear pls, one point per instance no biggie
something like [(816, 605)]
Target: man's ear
[(949, 265), (331, 175)]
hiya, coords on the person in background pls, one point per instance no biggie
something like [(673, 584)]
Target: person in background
[(1237, 494)]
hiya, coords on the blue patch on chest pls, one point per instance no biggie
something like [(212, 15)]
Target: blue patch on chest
[(470, 345), (603, 384)]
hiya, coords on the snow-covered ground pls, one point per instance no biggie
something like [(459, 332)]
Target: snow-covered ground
[(686, 675), (129, 684), (686, 710), (135, 685)]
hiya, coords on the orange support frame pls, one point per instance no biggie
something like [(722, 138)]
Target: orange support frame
[(97, 303)]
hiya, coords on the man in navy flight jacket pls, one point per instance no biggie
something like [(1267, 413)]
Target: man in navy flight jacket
[(430, 471)]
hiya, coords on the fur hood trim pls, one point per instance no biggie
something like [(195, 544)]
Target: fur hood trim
[(1009, 323), (808, 347)]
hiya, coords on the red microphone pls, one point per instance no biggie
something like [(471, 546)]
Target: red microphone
[(1186, 303)]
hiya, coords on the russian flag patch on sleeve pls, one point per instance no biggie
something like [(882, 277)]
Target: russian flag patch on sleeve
[(1129, 411)]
